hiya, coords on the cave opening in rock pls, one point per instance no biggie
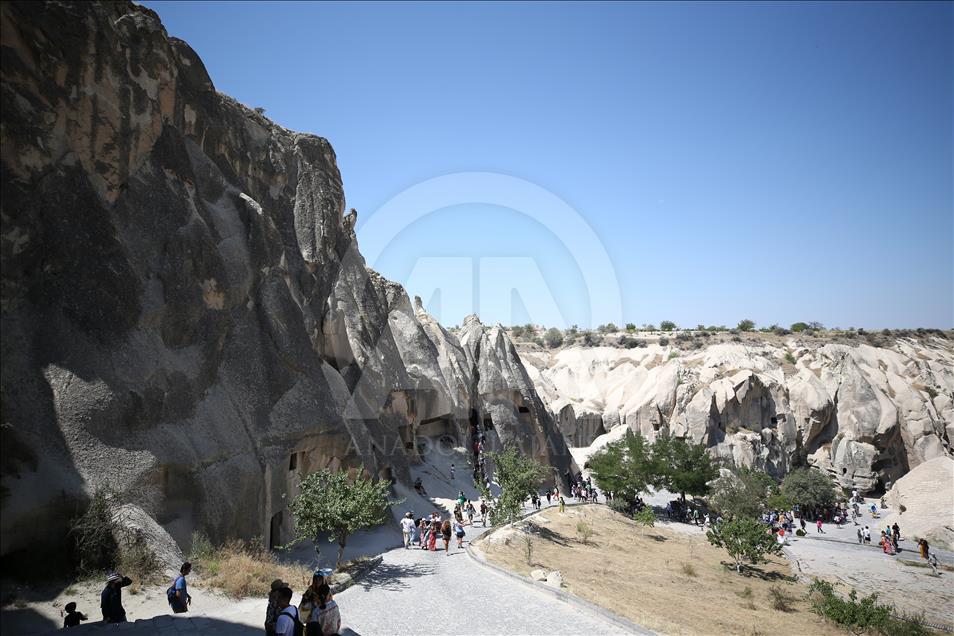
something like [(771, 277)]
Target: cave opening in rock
[(275, 530)]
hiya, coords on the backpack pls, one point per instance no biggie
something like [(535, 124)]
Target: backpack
[(171, 592), (299, 627)]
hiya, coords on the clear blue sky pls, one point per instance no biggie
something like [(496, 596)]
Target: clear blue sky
[(777, 162)]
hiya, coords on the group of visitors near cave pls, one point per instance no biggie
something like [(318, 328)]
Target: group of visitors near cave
[(316, 615)]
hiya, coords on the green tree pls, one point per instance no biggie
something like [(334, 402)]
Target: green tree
[(744, 539), (519, 476), (630, 327), (553, 337), (667, 325), (746, 325), (645, 518), (682, 467), (623, 467), (331, 503), (808, 488), (744, 493), (799, 326)]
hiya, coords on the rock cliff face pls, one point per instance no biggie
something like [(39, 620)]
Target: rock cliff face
[(185, 314), (865, 414)]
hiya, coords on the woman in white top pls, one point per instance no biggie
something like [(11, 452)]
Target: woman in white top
[(326, 612)]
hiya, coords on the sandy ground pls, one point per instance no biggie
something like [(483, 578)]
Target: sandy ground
[(649, 575)]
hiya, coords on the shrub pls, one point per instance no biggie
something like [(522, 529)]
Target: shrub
[(683, 337), (628, 342), (649, 327), (664, 342), (630, 327), (607, 328), (789, 357), (688, 569), (746, 325), (799, 326), (857, 615), (242, 569), (667, 325), (590, 339), (553, 338), (744, 539), (93, 534), (645, 518), (584, 532), (781, 601), (673, 354)]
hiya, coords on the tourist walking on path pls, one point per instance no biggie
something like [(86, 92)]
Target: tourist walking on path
[(548, 497), (446, 536), (326, 613), (867, 532), (435, 530), (818, 526), (483, 513), (452, 471), (178, 594), (470, 513), (924, 548), (562, 504), (72, 618), (407, 529), (111, 600), (271, 612), (288, 617), (861, 536), (459, 533)]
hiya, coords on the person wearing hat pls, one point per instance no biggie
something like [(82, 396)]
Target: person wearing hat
[(271, 614), (407, 529), (111, 600)]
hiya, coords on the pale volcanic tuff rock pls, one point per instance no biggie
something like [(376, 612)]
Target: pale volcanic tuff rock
[(184, 308), (865, 414)]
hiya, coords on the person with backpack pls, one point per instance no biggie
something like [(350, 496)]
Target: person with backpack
[(483, 512), (271, 612), (178, 594), (326, 614), (288, 622)]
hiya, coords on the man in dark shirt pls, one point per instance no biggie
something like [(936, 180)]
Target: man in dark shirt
[(111, 600)]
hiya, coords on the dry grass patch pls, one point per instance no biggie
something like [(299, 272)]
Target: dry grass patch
[(242, 569), (671, 582)]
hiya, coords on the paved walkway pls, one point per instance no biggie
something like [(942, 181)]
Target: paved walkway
[(419, 592)]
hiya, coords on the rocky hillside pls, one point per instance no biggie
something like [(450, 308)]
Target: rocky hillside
[(866, 414), (186, 316)]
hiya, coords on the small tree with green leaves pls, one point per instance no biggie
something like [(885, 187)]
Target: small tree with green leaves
[(667, 325), (808, 488), (745, 540), (630, 327), (682, 467), (646, 518), (330, 502), (518, 476), (746, 325)]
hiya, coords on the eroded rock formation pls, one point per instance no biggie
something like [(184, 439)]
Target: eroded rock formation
[(865, 414), (185, 312)]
